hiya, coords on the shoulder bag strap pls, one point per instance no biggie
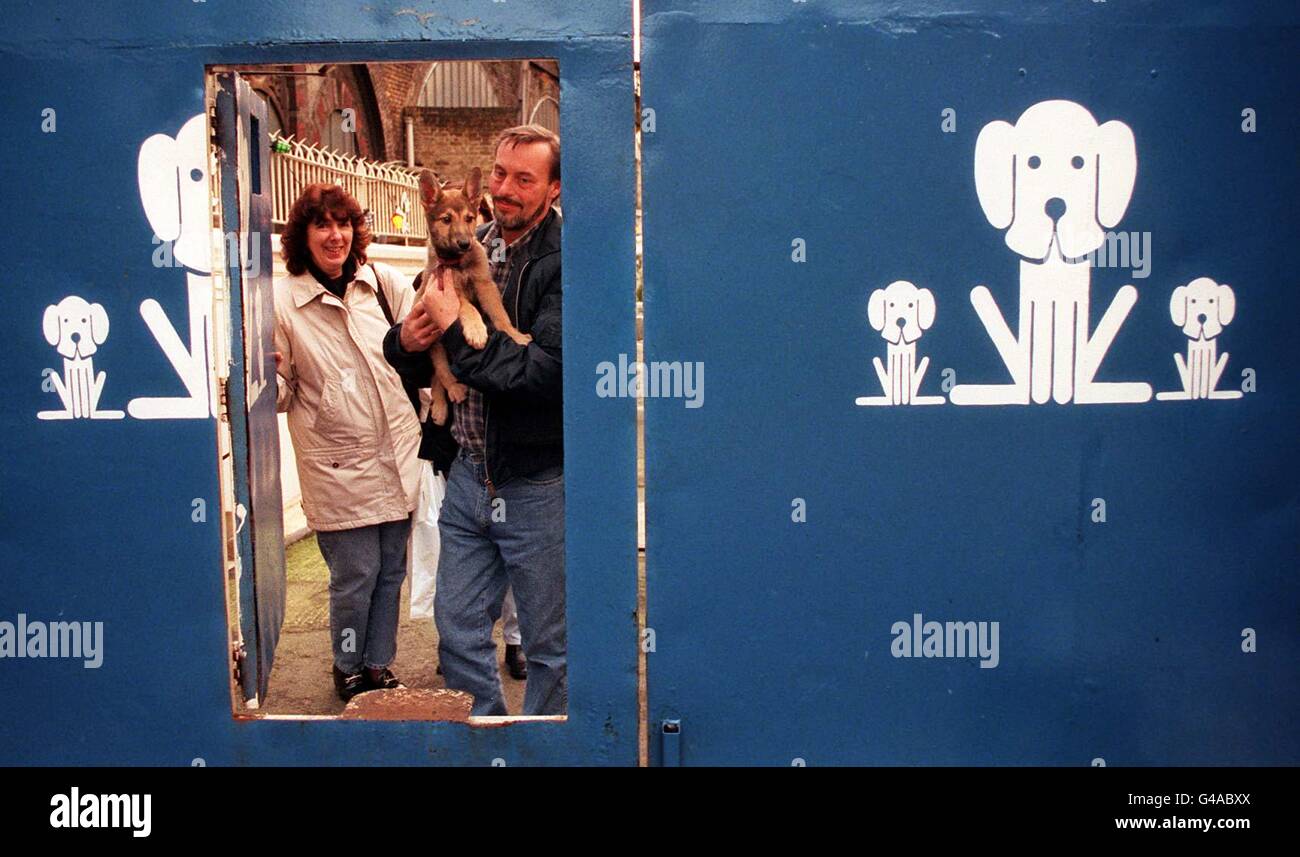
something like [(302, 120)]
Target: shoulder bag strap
[(383, 297)]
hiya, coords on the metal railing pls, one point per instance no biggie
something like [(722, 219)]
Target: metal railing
[(389, 192)]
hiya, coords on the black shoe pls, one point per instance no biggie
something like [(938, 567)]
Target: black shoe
[(381, 679), (349, 685), (516, 662)]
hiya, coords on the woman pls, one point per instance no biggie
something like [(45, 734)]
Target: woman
[(355, 434)]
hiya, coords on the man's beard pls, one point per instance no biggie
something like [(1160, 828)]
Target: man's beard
[(515, 221)]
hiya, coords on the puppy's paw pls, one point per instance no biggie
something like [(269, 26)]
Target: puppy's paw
[(457, 392), (520, 338), (439, 410), (475, 332)]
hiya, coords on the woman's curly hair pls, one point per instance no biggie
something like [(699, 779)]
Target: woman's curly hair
[(316, 202)]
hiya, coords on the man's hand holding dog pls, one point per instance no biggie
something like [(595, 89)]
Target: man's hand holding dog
[(422, 327), (418, 329)]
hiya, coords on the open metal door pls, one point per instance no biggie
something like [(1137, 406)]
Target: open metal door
[(244, 159)]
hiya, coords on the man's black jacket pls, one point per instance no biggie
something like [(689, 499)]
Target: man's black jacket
[(521, 385)]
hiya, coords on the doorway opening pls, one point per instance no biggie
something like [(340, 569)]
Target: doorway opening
[(371, 129)]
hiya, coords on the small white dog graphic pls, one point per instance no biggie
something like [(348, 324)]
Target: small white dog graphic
[(1054, 180), (76, 328), (900, 311), (1202, 308)]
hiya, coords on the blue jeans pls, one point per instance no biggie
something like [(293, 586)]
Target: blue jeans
[(367, 566), (515, 538)]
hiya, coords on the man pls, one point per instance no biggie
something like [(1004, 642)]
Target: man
[(502, 521)]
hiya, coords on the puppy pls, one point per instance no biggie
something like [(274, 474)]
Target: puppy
[(1202, 308), (900, 311), (451, 215), (76, 328)]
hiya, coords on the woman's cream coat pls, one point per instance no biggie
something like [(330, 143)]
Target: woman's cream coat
[(355, 434)]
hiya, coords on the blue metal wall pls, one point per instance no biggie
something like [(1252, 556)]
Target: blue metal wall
[(97, 513), (1120, 641)]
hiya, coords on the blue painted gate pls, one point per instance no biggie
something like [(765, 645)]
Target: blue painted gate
[(110, 490), (876, 226), (980, 475)]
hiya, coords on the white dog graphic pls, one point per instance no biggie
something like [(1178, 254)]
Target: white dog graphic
[(76, 328), (1202, 308), (900, 311), (173, 178), (1054, 180)]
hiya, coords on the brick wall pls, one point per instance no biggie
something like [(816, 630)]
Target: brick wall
[(305, 103), (396, 85), (452, 140), (448, 140), (541, 84), (505, 80)]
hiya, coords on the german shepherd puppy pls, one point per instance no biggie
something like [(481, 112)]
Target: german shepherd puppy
[(452, 215)]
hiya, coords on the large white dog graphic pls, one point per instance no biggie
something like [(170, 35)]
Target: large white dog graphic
[(173, 177), (1055, 181)]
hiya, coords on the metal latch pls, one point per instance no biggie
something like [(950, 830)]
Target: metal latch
[(671, 747)]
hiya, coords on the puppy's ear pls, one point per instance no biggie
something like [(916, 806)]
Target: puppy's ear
[(924, 308), (876, 309), (1178, 306), (474, 186), (430, 188), (1116, 171), (994, 179), (51, 325), (98, 324), (1227, 303)]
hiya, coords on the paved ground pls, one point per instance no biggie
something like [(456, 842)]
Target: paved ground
[(301, 681)]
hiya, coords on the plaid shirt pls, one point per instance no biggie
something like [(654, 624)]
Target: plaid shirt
[(468, 424)]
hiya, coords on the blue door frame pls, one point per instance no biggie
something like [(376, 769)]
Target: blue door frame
[(116, 520)]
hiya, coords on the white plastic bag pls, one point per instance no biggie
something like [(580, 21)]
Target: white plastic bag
[(425, 544)]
